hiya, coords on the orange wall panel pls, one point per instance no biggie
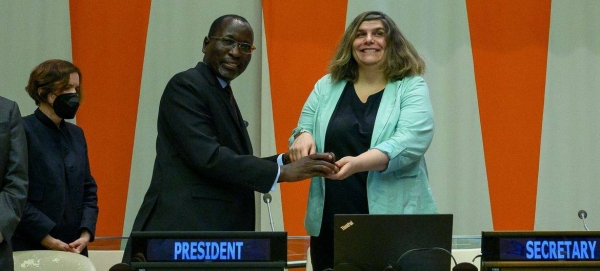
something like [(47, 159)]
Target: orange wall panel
[(509, 40), (108, 39), (301, 39)]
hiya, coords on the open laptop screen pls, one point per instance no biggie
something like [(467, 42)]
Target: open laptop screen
[(376, 242)]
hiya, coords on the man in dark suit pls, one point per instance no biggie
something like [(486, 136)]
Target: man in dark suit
[(205, 174), (13, 177)]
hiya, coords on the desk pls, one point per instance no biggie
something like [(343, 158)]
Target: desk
[(106, 251)]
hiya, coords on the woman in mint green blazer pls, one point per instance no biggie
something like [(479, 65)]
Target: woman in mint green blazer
[(373, 111)]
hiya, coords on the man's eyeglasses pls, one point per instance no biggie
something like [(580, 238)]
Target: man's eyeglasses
[(230, 43)]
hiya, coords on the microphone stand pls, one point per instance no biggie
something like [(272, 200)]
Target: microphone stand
[(267, 199), (583, 214)]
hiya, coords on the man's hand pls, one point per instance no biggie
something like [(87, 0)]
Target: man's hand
[(317, 164), (52, 243)]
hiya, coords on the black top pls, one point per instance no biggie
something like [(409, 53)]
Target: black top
[(349, 134), (62, 198)]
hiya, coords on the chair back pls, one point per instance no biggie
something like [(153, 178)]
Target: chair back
[(50, 260)]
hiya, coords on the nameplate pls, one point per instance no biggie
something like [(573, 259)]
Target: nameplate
[(210, 247), (546, 246)]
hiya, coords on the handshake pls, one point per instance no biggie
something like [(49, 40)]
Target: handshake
[(316, 164)]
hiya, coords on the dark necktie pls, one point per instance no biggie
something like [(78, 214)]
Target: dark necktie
[(232, 102)]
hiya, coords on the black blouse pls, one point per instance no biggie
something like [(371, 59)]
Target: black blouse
[(62, 198), (349, 134)]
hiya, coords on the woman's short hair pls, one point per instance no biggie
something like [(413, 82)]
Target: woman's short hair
[(51, 76), (400, 57)]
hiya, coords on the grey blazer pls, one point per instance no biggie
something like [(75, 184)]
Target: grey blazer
[(13, 176)]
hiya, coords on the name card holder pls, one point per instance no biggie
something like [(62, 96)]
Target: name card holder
[(540, 250), (209, 250)]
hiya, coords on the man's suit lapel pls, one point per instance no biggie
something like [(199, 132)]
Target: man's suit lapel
[(241, 126)]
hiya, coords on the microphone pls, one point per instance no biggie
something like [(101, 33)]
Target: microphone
[(267, 199), (582, 214), (138, 257), (457, 266)]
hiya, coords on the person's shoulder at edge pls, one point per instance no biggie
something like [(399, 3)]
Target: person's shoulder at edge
[(327, 81), (200, 72), (30, 121), (74, 127), (188, 72), (409, 83), (6, 100), (413, 79)]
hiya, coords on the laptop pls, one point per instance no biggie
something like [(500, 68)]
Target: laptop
[(392, 242)]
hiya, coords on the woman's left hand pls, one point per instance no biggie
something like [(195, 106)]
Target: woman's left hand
[(372, 159), (80, 244), (348, 166)]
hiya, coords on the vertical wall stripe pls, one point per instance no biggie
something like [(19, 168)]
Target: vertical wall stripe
[(301, 39), (569, 155), (31, 32), (510, 47), (108, 40)]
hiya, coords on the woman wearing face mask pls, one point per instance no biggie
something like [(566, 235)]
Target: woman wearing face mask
[(62, 204)]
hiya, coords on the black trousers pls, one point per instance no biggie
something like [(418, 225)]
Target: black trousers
[(321, 250)]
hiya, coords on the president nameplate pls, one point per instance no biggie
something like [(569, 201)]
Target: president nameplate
[(209, 250)]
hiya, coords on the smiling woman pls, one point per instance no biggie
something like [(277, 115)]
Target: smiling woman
[(373, 110)]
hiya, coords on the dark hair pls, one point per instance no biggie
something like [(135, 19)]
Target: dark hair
[(400, 57), (217, 23), (51, 76)]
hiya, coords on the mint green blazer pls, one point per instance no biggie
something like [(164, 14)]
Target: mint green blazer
[(403, 130)]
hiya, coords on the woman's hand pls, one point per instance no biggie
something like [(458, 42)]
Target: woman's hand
[(80, 244), (348, 166), (52, 243), (372, 159), (303, 145)]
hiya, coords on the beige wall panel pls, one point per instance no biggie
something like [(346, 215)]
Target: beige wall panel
[(31, 31), (267, 146), (570, 151)]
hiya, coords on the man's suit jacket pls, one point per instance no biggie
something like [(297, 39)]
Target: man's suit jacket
[(204, 174), (13, 176)]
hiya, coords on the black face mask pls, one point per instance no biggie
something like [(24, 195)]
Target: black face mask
[(66, 105)]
